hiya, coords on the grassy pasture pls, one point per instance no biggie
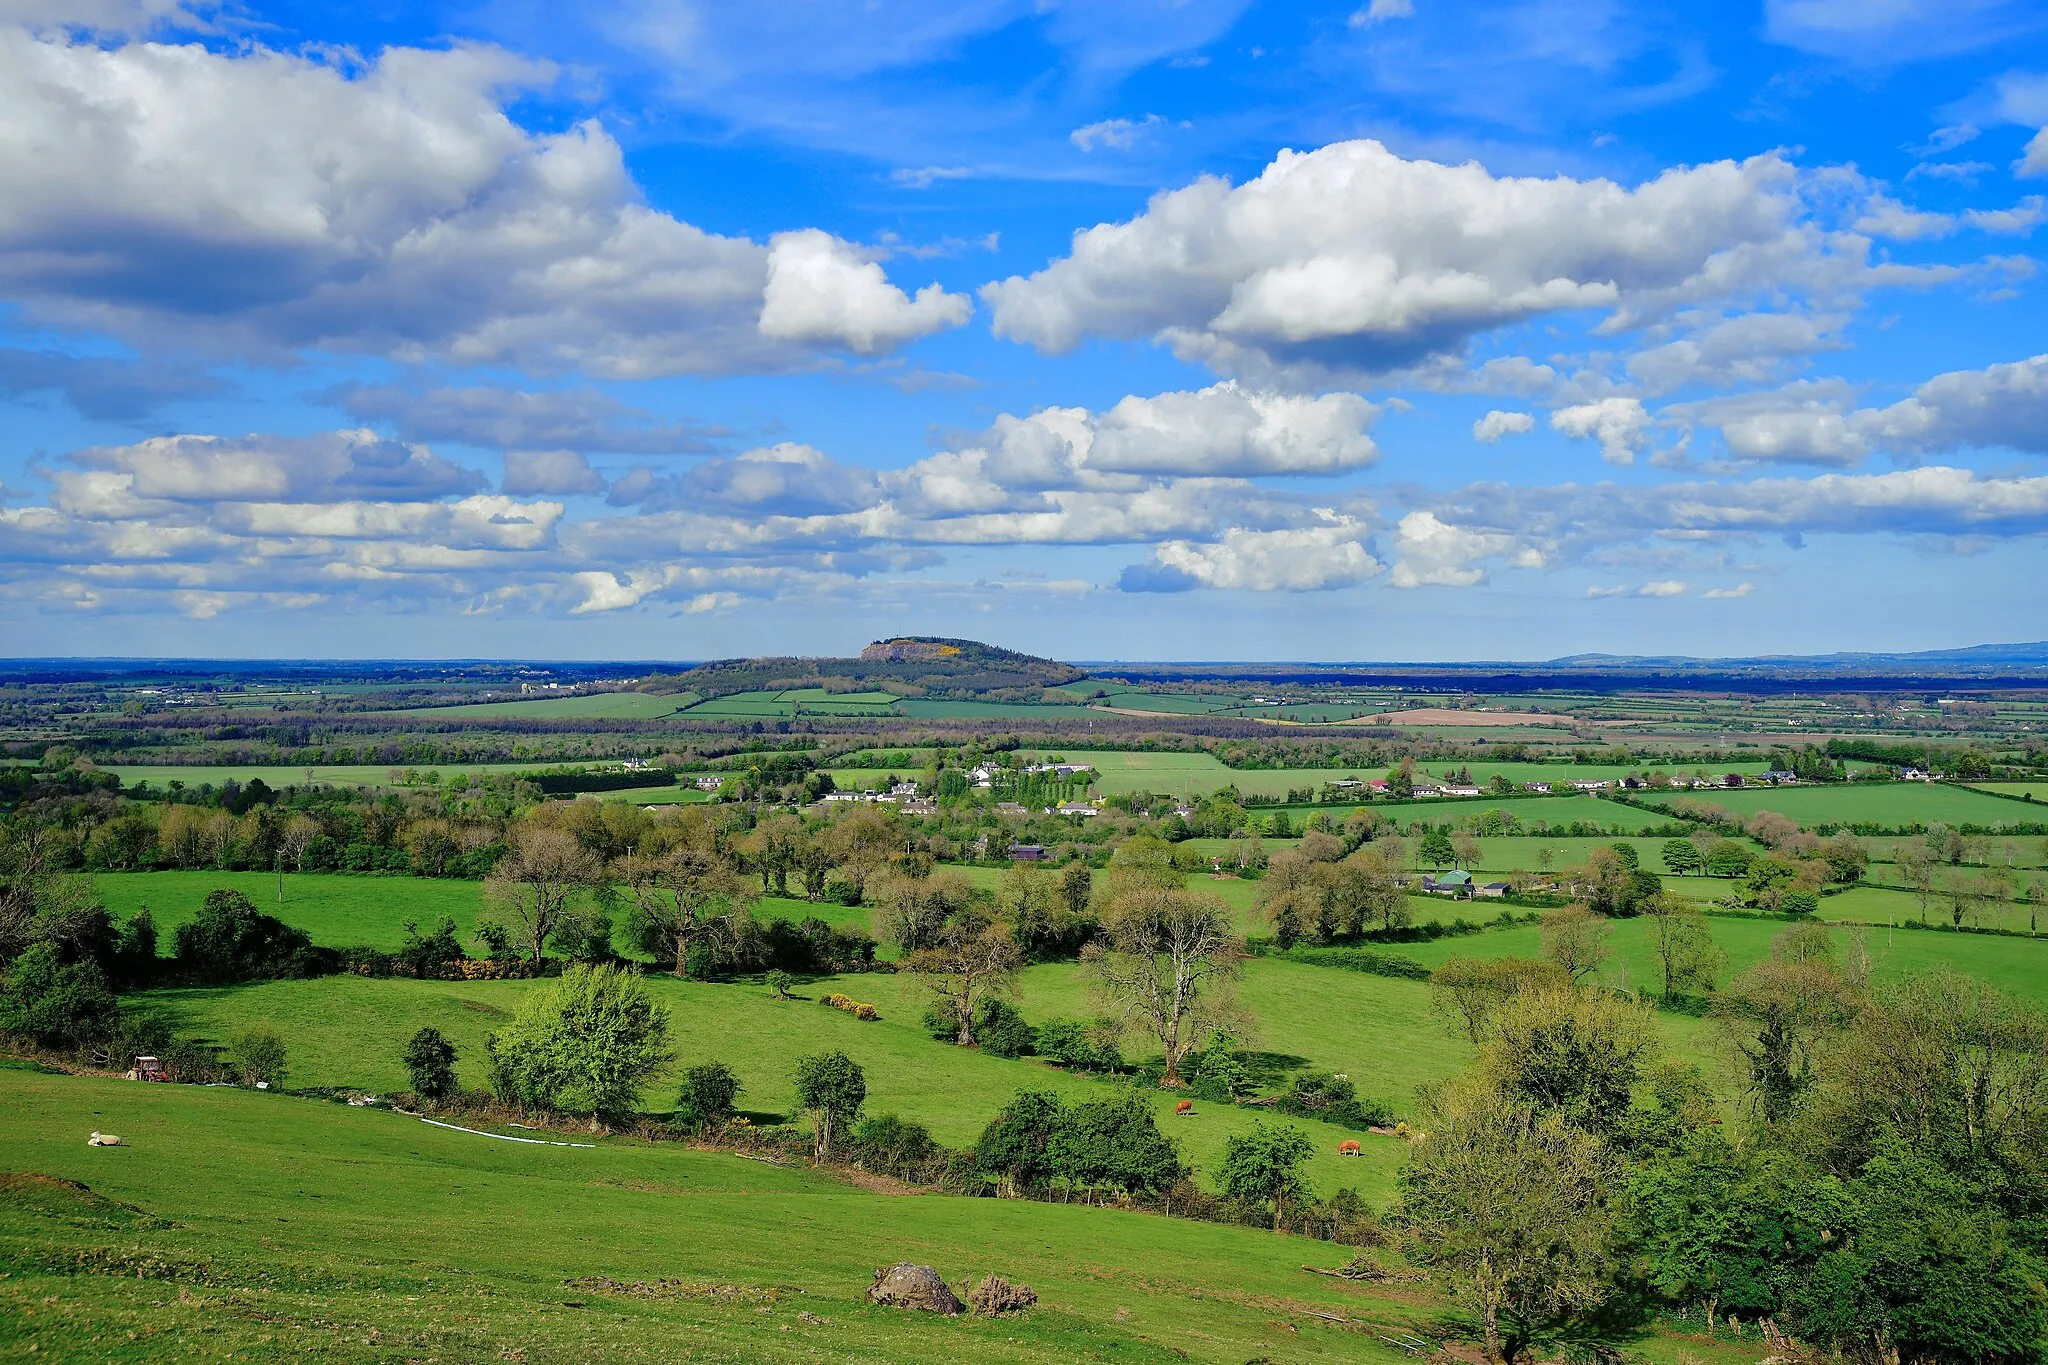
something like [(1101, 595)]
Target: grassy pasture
[(1882, 803), (335, 909), (347, 1030), (2011, 964), (2037, 789), (362, 1235)]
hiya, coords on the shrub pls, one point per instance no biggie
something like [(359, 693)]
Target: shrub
[(1114, 1142), (833, 1088), (894, 1146), (706, 1099), (842, 892), (1332, 1096), (259, 1055), (585, 935), (583, 1044), (1799, 902), (194, 1061), (866, 1013), (430, 1061), (1081, 1046), (56, 1004), (431, 955), (231, 941), (1001, 1030), (1015, 1148), (1216, 1075), (779, 982)]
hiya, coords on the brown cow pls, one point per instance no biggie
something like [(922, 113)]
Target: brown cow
[(1349, 1147), (1184, 1109)]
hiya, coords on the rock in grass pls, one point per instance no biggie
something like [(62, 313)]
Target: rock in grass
[(904, 1285), (996, 1297)]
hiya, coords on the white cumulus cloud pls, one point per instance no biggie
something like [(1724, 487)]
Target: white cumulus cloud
[(1496, 424), (1620, 425), (1353, 259), (260, 202), (1430, 552), (1305, 559), (823, 291)]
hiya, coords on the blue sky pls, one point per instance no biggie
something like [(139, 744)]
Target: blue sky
[(1396, 329)]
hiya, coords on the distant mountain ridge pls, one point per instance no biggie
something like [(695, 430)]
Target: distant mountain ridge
[(908, 665), (2033, 653)]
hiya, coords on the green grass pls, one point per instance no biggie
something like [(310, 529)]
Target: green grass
[(2011, 964), (336, 910), (1880, 803), (657, 796), (286, 1228), (1552, 810), (347, 1031), (2037, 789), (595, 706)]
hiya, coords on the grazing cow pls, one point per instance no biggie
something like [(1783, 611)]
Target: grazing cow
[(1184, 1109), (1349, 1147)]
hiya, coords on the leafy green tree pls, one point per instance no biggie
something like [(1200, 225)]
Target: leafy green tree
[(833, 1088), (1510, 1205), (970, 960), (1728, 858), (1466, 991), (707, 1097), (1265, 1165), (1686, 951), (681, 899), (1577, 1055), (1730, 1229), (260, 1056), (1116, 1143), (1576, 939), (230, 940), (1780, 1014), (1437, 850), (584, 1043), (1930, 1271), (1680, 856), (429, 1060), (1015, 1148), (779, 982), (430, 955), (1952, 1067), (55, 1003), (1168, 962)]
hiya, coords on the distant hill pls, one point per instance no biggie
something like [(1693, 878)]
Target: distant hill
[(910, 665)]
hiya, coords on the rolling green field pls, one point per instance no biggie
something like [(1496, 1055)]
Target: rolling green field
[(337, 910), (2038, 789), (595, 706), (347, 1031), (1881, 803), (2011, 964), (269, 1225)]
